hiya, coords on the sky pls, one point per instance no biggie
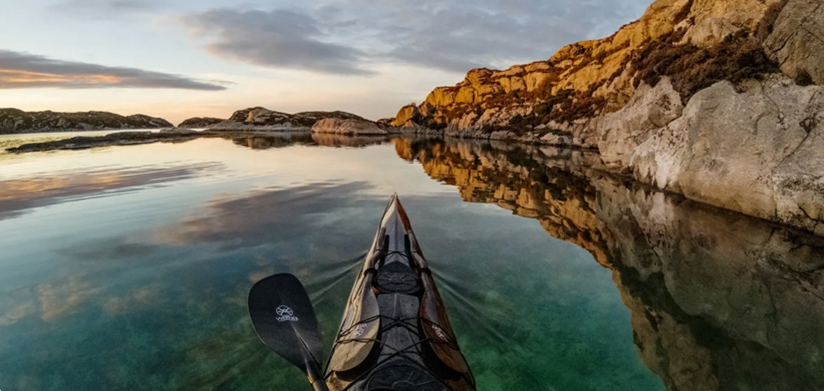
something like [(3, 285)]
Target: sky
[(178, 59)]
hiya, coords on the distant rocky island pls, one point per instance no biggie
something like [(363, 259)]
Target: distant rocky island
[(17, 121), (259, 119), (262, 119)]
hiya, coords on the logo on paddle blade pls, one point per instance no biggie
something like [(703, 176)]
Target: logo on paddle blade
[(285, 314)]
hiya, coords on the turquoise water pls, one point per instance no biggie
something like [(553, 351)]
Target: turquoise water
[(127, 268)]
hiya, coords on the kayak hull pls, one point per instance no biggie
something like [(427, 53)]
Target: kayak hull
[(395, 333)]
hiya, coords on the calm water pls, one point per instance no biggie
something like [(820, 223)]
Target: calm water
[(128, 267)]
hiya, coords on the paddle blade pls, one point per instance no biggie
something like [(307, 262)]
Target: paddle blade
[(285, 320)]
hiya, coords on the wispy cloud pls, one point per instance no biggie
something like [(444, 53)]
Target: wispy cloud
[(346, 37), (280, 38), (96, 9), (24, 70)]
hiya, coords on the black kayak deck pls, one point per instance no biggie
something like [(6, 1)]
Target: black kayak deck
[(395, 334)]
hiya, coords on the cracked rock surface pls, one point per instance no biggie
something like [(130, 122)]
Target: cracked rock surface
[(758, 151), (797, 40)]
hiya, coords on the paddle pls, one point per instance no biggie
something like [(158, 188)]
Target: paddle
[(284, 319)]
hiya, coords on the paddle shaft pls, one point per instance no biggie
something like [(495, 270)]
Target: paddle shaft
[(315, 379)]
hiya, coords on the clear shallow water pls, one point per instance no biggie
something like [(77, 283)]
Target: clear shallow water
[(128, 267)]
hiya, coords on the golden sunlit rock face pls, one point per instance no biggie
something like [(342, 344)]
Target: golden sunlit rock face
[(719, 301), (600, 74), (714, 100)]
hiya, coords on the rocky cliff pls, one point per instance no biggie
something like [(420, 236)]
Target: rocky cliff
[(716, 100), (18, 121), (261, 119), (719, 301), (695, 42)]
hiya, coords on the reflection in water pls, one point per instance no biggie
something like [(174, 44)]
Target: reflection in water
[(277, 140), (254, 219), (22, 194), (281, 140), (719, 301), (136, 286)]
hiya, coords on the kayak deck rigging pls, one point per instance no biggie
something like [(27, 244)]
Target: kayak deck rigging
[(394, 335), (409, 340)]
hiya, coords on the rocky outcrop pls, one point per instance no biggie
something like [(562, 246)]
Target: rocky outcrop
[(352, 127), (757, 149), (797, 40), (261, 119), (405, 115), (199, 122), (586, 79), (710, 32), (690, 99), (18, 121)]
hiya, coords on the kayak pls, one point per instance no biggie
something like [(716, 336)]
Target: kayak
[(395, 333)]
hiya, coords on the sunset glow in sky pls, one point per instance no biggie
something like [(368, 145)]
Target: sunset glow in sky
[(185, 58)]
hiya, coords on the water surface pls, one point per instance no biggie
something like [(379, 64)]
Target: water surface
[(128, 267)]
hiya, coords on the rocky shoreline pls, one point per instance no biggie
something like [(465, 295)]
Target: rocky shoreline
[(113, 139), (265, 120), (720, 102)]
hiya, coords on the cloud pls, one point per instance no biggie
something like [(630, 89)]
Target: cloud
[(345, 37), (97, 9), (280, 38), (24, 70)]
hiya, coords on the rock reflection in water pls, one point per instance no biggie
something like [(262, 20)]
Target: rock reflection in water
[(283, 140), (275, 140), (719, 301)]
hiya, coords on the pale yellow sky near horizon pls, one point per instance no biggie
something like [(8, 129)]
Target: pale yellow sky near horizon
[(372, 97)]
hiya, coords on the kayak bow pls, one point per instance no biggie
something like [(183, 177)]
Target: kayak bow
[(395, 333)]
